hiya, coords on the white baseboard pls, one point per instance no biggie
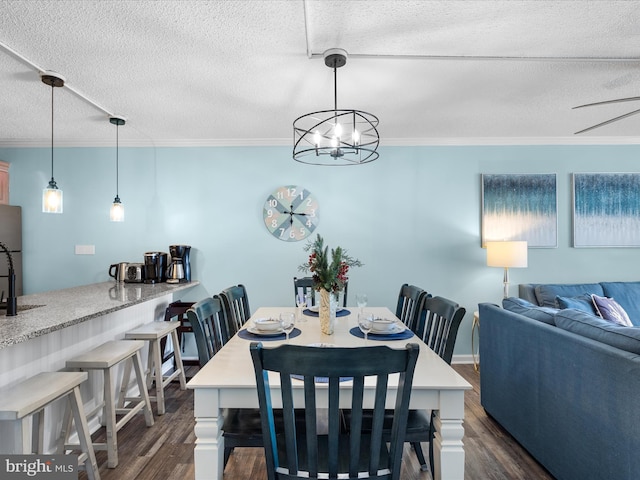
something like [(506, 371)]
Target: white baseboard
[(465, 359)]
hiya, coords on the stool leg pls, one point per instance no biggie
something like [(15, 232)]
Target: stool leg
[(144, 394), (124, 386), (86, 444), (110, 421), (37, 439), (66, 428), (157, 373), (178, 360)]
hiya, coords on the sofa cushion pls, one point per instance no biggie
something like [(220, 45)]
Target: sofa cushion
[(528, 309), (547, 293), (582, 323), (581, 302), (609, 309), (627, 294)]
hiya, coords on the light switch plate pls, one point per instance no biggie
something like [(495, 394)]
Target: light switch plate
[(85, 249)]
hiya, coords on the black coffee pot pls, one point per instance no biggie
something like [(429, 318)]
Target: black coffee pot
[(155, 267)]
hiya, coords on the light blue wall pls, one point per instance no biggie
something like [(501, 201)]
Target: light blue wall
[(413, 216)]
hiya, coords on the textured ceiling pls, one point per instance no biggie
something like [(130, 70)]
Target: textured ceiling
[(238, 72)]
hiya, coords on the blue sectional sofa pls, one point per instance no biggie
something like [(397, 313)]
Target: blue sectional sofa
[(564, 382)]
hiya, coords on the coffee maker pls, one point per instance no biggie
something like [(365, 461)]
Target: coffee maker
[(180, 267), (155, 267)]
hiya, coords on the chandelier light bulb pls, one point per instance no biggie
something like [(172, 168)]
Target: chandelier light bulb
[(334, 142), (355, 137), (337, 130), (316, 139)]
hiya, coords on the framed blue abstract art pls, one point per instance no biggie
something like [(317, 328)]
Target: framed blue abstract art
[(606, 209), (520, 207)]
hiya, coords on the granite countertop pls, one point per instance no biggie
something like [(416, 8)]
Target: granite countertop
[(42, 313)]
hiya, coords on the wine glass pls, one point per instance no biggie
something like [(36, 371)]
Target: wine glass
[(365, 323), (361, 300), (287, 322), (301, 302)]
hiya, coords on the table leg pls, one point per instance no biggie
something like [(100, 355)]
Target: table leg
[(448, 446), (208, 453)]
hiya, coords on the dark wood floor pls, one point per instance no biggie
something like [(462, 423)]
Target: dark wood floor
[(165, 451)]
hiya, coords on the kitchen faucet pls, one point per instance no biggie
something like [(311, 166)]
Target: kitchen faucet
[(12, 305)]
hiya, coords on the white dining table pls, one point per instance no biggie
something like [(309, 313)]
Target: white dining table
[(228, 380)]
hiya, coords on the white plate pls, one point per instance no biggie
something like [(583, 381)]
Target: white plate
[(316, 309), (265, 333), (397, 328)]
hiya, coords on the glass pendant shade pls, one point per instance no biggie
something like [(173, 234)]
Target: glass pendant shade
[(52, 195), (116, 214), (52, 198), (336, 137)]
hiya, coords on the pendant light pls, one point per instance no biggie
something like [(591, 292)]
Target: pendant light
[(336, 137), (117, 209), (52, 195)]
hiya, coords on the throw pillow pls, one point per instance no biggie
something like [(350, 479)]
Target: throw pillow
[(581, 302), (611, 310)]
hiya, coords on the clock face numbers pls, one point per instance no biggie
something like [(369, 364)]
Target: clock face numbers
[(291, 213)]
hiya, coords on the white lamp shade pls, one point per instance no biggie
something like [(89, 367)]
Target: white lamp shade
[(507, 254)]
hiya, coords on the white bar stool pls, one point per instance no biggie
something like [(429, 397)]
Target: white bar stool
[(153, 333), (30, 397), (104, 358)]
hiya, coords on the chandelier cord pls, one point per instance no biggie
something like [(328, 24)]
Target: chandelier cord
[(335, 85)]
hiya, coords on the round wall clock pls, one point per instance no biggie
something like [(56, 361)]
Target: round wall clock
[(291, 213)]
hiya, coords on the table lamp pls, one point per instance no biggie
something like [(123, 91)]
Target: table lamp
[(507, 254)]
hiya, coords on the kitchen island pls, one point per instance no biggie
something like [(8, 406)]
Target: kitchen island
[(53, 326)]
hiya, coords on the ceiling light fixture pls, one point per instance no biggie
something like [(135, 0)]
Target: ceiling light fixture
[(116, 214), (336, 137), (52, 195)]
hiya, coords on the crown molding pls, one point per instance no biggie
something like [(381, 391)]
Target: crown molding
[(282, 142)]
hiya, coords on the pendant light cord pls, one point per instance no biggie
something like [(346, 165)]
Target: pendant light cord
[(117, 159), (52, 87)]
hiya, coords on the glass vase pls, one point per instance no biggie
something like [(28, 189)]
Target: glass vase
[(327, 312)]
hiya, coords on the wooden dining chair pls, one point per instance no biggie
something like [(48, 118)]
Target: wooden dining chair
[(306, 283), (315, 374), (207, 321), (438, 322), (242, 426), (236, 306), (409, 300)]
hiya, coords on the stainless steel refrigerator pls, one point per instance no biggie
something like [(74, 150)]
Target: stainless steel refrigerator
[(11, 236)]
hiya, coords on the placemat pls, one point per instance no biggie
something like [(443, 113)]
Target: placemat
[(356, 332), (342, 313), (247, 335)]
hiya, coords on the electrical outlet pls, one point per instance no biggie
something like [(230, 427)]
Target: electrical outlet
[(85, 249)]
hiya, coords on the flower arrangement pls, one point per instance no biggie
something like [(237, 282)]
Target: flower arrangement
[(329, 274)]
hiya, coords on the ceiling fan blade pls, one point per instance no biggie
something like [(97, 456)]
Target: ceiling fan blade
[(609, 121), (617, 100)]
